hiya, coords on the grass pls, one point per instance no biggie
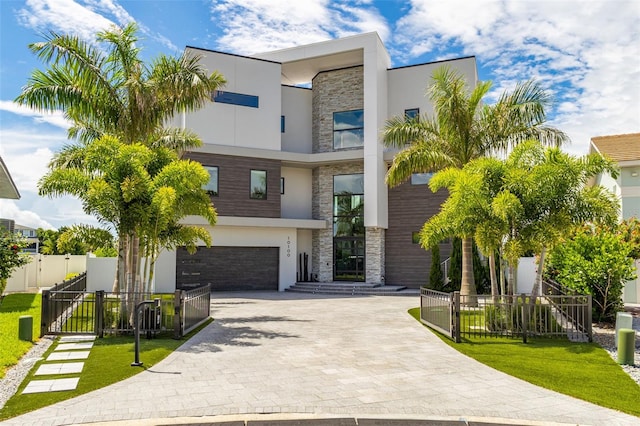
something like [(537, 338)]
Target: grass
[(13, 306), (109, 362), (582, 370)]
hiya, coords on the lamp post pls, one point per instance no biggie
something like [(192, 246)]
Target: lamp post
[(136, 330)]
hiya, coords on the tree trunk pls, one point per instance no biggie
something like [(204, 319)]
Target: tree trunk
[(118, 281), (492, 274), (468, 286)]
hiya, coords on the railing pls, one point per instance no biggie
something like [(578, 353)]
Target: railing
[(192, 308), (436, 311), (59, 304), (566, 316), (78, 283), (445, 265), (70, 312)]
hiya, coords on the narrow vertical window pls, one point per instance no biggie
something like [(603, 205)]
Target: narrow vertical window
[(212, 186), (282, 124), (348, 129), (259, 184), (281, 185)]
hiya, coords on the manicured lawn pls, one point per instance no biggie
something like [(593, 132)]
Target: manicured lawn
[(109, 362), (12, 308), (582, 370)]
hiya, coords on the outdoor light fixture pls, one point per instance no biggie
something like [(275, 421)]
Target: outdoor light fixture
[(156, 302)]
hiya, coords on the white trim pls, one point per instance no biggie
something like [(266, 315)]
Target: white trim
[(630, 191), (287, 158), (259, 222)]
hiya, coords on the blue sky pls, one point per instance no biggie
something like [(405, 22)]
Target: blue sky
[(585, 52)]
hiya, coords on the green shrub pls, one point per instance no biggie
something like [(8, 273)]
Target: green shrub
[(11, 256), (70, 275), (595, 261), (436, 279), (508, 318)]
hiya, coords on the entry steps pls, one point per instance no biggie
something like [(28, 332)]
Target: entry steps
[(351, 288)]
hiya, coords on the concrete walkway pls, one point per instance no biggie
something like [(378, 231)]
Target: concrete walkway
[(300, 355)]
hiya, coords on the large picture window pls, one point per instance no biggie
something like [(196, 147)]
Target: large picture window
[(259, 184), (212, 186), (348, 129), (348, 228)]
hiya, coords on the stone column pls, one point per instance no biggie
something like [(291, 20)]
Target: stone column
[(374, 256)]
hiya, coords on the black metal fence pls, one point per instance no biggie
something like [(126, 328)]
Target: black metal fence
[(520, 316), (192, 308), (100, 312)]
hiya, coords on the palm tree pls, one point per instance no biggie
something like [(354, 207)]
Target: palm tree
[(462, 129), (104, 88)]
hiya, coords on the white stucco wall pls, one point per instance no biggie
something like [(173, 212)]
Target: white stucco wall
[(526, 274), (241, 126), (101, 273), (295, 203), (296, 108)]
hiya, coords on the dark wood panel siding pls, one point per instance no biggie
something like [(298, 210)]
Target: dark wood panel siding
[(409, 208), (229, 268), (234, 181)]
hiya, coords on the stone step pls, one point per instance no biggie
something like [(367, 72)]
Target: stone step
[(347, 289)]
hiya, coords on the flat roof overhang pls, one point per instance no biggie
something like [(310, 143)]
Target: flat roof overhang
[(8, 188)]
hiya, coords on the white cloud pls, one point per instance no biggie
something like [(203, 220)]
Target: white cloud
[(586, 52), (9, 210), (252, 26), (65, 16), (56, 118), (84, 18)]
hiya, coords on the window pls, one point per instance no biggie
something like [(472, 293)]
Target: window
[(415, 237), (259, 184), (348, 205), (421, 178), (348, 129), (212, 186), (412, 113), (235, 99), (282, 124), (281, 185)]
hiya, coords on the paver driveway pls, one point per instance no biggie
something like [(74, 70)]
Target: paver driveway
[(289, 353)]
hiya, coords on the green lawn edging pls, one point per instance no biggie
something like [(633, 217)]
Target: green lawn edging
[(582, 370)]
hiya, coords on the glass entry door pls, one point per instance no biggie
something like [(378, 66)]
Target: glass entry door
[(348, 259)]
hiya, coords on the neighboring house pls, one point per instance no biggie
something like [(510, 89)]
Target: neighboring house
[(625, 150), (31, 235), (293, 147)]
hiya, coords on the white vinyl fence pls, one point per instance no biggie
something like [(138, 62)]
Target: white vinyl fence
[(45, 271)]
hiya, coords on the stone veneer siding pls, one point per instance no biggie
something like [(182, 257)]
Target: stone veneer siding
[(334, 91), (375, 251)]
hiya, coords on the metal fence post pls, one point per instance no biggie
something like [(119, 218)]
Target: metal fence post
[(589, 318), (525, 316), (177, 315), (44, 312), (456, 317), (99, 313)]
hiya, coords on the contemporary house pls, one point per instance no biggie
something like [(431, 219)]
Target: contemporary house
[(293, 147), (625, 150)]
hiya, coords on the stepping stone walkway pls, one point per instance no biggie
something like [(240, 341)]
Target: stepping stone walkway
[(68, 348)]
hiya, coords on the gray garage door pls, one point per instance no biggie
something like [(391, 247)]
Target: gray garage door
[(228, 268)]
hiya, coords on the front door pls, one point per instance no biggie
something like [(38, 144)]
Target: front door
[(348, 259)]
